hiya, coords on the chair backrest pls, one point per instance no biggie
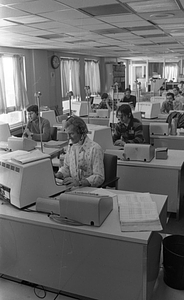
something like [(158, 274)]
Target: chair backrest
[(146, 133), (110, 168), (60, 118), (53, 133)]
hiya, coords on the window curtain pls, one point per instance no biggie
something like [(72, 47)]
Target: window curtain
[(171, 72), (65, 77), (21, 98), (75, 75), (70, 74), (2, 88), (92, 76)]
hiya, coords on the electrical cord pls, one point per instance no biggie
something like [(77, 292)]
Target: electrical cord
[(40, 289), (64, 220)]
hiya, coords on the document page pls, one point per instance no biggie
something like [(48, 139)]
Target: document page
[(138, 212)]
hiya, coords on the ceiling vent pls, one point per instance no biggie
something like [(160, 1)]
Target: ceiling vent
[(106, 10)]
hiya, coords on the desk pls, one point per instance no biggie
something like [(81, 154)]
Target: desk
[(53, 152), (169, 141), (93, 262), (159, 176), (156, 120)]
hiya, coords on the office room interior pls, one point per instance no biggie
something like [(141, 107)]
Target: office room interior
[(136, 44)]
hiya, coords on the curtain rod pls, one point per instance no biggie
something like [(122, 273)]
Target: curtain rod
[(69, 58), (11, 54)]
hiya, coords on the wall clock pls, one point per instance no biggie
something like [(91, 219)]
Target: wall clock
[(55, 61)]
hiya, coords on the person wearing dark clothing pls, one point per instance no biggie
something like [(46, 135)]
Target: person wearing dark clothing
[(128, 129)]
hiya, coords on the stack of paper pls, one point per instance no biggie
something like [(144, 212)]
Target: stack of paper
[(24, 157), (138, 212), (54, 144)]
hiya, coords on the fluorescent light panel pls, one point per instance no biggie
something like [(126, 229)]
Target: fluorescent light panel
[(154, 6)]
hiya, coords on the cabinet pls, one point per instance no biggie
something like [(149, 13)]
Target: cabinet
[(119, 76)]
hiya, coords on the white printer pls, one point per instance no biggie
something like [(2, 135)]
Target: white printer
[(140, 152), (21, 143), (86, 208), (159, 128)]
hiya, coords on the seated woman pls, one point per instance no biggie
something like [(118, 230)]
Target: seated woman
[(83, 162), (128, 129)]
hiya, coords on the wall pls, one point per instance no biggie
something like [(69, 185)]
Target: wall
[(41, 77)]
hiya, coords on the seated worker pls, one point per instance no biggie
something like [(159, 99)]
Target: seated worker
[(83, 162), (106, 102), (181, 87), (33, 127), (167, 105), (179, 99), (128, 129), (129, 98)]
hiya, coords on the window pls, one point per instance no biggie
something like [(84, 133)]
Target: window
[(13, 93)]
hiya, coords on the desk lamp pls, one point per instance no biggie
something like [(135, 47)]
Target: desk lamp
[(87, 90), (70, 94), (37, 95), (138, 90)]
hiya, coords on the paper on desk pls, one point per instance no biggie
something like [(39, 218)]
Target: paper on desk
[(54, 144), (25, 156), (137, 212)]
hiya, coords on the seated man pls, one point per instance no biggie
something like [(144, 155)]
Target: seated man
[(83, 162), (106, 102), (33, 127), (179, 99), (167, 105), (128, 129), (129, 98)]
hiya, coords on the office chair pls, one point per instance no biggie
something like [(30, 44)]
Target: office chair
[(61, 118), (53, 133), (146, 133), (110, 168)]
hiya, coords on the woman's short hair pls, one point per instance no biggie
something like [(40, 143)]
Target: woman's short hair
[(125, 109), (78, 124), (33, 108)]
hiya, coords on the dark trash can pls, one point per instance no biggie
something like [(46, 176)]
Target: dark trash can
[(173, 261)]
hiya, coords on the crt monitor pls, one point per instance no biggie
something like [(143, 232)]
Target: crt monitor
[(4, 132), (101, 135), (49, 115), (149, 110), (80, 108)]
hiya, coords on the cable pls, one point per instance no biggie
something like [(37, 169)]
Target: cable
[(66, 221), (41, 288)]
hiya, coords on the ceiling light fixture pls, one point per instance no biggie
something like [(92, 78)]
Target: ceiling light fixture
[(162, 15)]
